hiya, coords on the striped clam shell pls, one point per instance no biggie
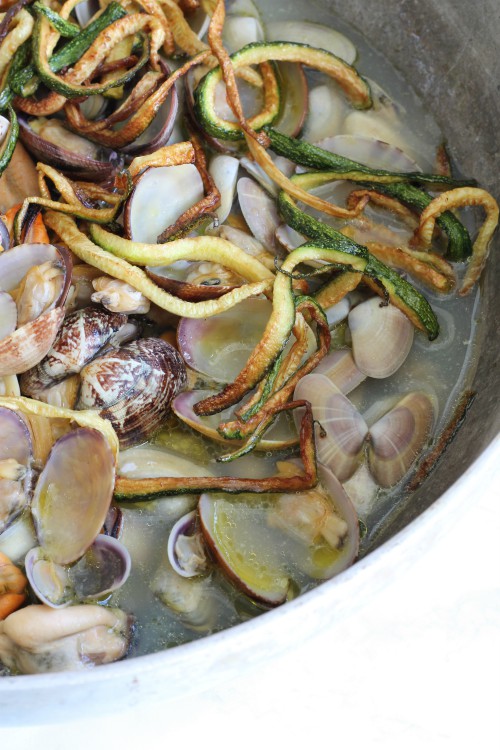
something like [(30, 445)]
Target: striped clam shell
[(133, 387)]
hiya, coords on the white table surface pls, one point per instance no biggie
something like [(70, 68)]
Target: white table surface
[(416, 667)]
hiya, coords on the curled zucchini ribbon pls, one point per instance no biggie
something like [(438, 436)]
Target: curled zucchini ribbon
[(388, 282), (130, 490), (354, 86), (10, 140), (121, 269), (281, 321)]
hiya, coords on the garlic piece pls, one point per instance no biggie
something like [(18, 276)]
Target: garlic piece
[(118, 296)]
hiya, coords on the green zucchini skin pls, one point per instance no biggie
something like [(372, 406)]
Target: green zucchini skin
[(70, 53), (459, 241), (65, 28), (255, 53), (11, 141), (314, 157), (400, 291), (71, 91)]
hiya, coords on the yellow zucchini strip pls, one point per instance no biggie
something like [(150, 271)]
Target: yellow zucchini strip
[(120, 269), (458, 198), (431, 269), (168, 156), (21, 28), (201, 248)]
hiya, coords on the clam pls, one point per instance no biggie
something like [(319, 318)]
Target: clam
[(194, 281), (370, 151), (103, 568), (382, 337), (327, 108), (234, 531), (341, 432), (133, 387), (398, 438), (41, 639), (314, 34), (323, 522), (36, 277), (281, 435), (240, 30), (339, 367), (15, 466), (83, 334), (160, 196), (224, 171), (78, 158), (186, 548), (73, 494), (219, 347), (259, 211), (18, 538), (194, 601), (118, 296)]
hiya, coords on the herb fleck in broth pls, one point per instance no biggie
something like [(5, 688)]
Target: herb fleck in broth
[(271, 545)]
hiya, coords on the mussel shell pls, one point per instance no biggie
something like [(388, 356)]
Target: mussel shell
[(73, 494), (133, 387), (398, 438)]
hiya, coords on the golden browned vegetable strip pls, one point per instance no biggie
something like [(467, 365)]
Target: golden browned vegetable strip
[(336, 289), (263, 159), (81, 246), (137, 489), (184, 36), (441, 278), (458, 198), (233, 97), (168, 156), (209, 202)]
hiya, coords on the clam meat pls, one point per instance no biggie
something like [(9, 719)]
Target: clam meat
[(41, 639)]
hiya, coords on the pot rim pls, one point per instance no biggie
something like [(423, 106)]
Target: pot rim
[(332, 600)]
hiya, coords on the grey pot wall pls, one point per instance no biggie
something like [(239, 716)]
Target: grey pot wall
[(448, 50)]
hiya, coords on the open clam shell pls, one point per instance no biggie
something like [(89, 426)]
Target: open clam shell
[(174, 279), (186, 548), (104, 568), (16, 453), (382, 337), (398, 438), (281, 435), (232, 532), (40, 309), (259, 211), (74, 164), (73, 494), (160, 196), (341, 430)]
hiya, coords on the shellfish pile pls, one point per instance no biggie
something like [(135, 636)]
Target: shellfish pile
[(221, 290)]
